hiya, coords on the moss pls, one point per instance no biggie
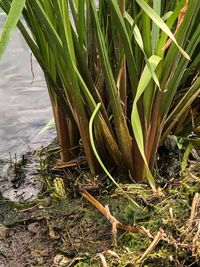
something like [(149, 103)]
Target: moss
[(84, 230)]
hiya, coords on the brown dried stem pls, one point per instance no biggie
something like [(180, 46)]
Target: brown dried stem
[(106, 213)]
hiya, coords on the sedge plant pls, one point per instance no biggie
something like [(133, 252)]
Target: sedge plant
[(121, 75)]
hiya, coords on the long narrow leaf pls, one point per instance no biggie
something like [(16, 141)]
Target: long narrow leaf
[(10, 23), (122, 131), (160, 23), (99, 159), (135, 118), (139, 40)]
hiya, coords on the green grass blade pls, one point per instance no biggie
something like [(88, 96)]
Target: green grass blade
[(119, 19), (74, 12), (146, 33), (122, 130), (179, 71), (10, 23), (81, 22), (139, 40), (185, 157), (160, 23), (182, 107), (155, 28), (146, 76), (170, 22), (99, 159), (135, 118)]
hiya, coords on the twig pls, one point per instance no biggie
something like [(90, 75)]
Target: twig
[(153, 244), (170, 240), (146, 231), (103, 260), (193, 211), (196, 237), (113, 254), (172, 216), (106, 213), (32, 70), (31, 209), (113, 221)]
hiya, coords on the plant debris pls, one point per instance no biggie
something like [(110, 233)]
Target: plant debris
[(71, 232)]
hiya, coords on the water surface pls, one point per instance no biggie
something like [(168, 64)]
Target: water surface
[(24, 102)]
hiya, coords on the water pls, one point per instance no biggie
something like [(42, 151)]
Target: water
[(24, 102)]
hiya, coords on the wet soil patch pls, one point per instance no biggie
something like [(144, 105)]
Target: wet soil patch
[(34, 236), (61, 228), (20, 179), (74, 233)]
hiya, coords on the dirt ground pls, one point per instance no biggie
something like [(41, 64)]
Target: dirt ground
[(61, 229), (73, 233), (48, 236)]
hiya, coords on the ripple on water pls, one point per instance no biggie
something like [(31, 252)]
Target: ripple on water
[(24, 103)]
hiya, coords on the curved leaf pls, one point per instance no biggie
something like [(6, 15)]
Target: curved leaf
[(135, 118), (160, 23), (99, 159)]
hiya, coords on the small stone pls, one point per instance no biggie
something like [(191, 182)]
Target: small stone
[(3, 231), (34, 227), (61, 260)]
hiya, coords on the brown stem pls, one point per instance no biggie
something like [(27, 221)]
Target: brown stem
[(155, 146), (122, 86), (138, 163), (180, 20), (122, 6), (108, 216), (153, 127), (121, 80), (62, 131)]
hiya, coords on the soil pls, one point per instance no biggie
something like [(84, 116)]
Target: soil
[(36, 235), (64, 229)]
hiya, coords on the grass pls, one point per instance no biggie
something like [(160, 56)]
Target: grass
[(122, 76), (122, 59)]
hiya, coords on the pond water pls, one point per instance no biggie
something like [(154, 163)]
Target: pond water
[(24, 102)]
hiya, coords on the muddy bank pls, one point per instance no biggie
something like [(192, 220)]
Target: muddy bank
[(71, 232), (57, 226), (37, 235), (20, 178)]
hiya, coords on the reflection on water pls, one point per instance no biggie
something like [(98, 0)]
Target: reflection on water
[(24, 103)]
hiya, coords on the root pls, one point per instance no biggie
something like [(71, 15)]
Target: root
[(106, 213)]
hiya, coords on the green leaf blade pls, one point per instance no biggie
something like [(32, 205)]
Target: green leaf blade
[(10, 23), (160, 23)]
